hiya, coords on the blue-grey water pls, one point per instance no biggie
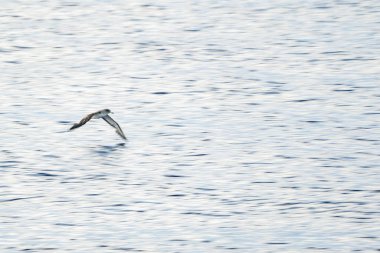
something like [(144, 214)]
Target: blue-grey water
[(253, 126)]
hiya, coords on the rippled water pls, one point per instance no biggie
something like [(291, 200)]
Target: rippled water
[(253, 126)]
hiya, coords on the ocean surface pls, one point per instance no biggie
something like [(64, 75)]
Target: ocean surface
[(253, 126)]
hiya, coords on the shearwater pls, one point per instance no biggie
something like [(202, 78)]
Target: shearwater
[(104, 115)]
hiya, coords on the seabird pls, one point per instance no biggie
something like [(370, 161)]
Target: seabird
[(104, 115)]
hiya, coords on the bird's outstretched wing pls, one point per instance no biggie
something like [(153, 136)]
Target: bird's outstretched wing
[(82, 122), (114, 124)]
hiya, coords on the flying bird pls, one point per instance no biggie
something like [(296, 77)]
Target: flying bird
[(104, 115)]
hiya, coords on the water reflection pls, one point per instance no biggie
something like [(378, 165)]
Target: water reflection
[(106, 150)]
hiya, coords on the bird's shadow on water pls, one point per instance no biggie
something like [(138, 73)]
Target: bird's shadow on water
[(106, 150)]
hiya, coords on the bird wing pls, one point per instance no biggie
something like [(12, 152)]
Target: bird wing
[(82, 122), (114, 124)]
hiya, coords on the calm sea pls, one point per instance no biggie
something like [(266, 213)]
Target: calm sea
[(253, 126)]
